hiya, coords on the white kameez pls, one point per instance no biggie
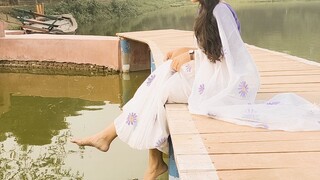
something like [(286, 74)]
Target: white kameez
[(225, 90)]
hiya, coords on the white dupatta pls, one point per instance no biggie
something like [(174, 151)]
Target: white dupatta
[(227, 90)]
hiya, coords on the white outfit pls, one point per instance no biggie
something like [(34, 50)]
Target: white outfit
[(225, 90)]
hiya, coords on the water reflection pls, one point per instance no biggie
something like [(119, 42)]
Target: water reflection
[(290, 27), (32, 162), (39, 113), (175, 18), (36, 120)]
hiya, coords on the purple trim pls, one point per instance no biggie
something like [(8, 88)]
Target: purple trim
[(235, 16)]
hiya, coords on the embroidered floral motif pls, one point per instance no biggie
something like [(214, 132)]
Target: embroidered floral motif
[(273, 103), (160, 142), (188, 68), (251, 114), (132, 119), (243, 89), (150, 79), (201, 89)]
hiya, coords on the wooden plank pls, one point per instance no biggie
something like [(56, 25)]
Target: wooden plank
[(266, 160), (194, 163), (290, 73), (209, 125), (272, 174), (188, 144), (195, 175), (286, 89), (176, 107), (295, 87), (290, 79), (233, 137), (179, 123), (283, 68), (263, 147), (282, 62), (313, 97)]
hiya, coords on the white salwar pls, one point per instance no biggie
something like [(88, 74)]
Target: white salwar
[(224, 90)]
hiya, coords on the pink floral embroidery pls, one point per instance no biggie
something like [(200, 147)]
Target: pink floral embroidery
[(150, 79), (160, 142), (132, 119), (243, 89), (201, 89)]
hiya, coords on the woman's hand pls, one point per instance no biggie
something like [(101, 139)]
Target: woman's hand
[(179, 60), (176, 52)]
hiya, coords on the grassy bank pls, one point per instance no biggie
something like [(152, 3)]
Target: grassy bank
[(12, 23)]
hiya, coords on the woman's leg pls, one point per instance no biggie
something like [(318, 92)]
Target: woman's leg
[(101, 140), (156, 165)]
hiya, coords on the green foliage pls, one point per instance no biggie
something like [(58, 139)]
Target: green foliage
[(82, 10), (93, 10), (122, 8)]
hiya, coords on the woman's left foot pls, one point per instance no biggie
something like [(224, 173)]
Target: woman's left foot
[(153, 173)]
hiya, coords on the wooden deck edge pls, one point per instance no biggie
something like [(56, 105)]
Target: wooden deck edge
[(157, 54), (191, 156), (291, 57)]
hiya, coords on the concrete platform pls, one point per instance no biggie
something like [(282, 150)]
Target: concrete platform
[(99, 50)]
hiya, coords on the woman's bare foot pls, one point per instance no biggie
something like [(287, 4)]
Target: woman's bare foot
[(153, 173), (101, 140), (95, 141), (156, 165)]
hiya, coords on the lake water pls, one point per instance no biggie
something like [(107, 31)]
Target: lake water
[(290, 27), (39, 113)]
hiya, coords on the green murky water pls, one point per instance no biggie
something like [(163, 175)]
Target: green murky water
[(39, 114)]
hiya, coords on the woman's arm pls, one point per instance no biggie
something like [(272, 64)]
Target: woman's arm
[(179, 57)]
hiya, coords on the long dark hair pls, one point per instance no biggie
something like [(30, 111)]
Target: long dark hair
[(206, 30)]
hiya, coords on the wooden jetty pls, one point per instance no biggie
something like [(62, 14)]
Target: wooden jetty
[(206, 148)]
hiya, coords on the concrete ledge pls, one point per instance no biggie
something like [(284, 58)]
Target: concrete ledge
[(99, 50), (14, 32)]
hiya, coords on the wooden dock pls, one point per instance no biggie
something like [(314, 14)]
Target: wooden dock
[(206, 148)]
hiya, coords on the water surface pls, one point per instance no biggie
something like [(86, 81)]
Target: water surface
[(39, 114), (290, 27)]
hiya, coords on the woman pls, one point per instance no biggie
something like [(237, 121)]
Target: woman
[(222, 82)]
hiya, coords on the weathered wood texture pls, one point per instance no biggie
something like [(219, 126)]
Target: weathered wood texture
[(206, 148)]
